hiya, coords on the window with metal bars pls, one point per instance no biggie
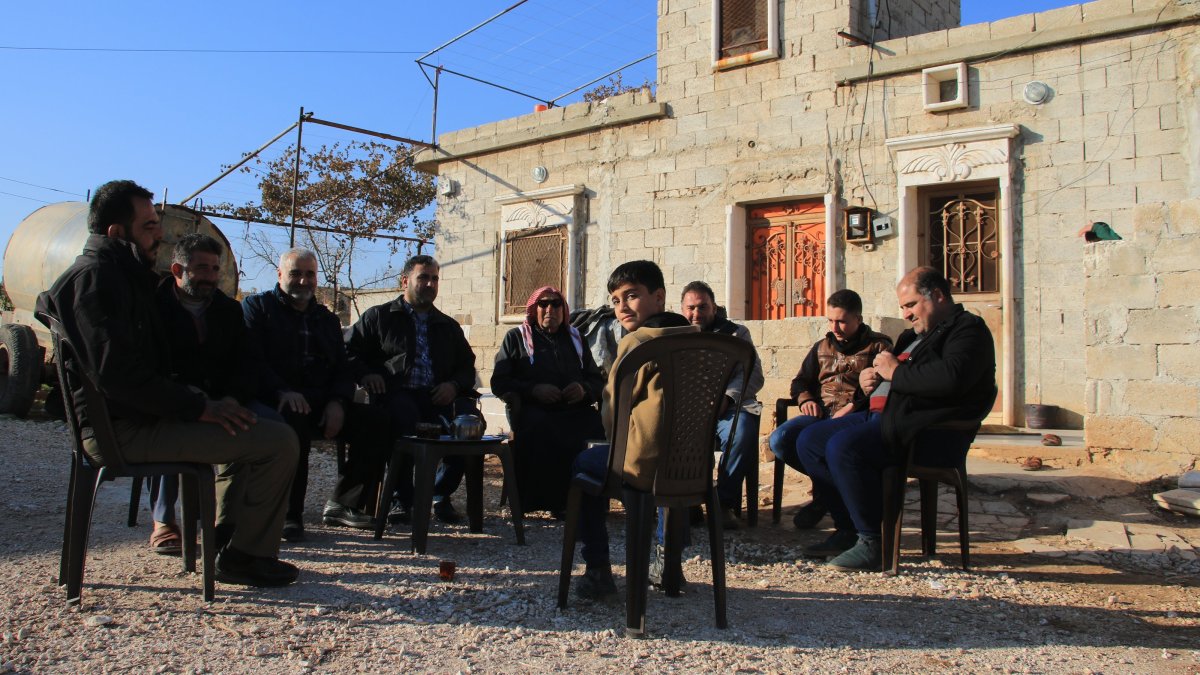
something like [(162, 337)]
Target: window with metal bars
[(533, 258), (745, 29), (964, 242)]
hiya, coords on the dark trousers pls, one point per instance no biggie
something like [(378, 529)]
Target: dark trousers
[(593, 511), (164, 490), (407, 407), (846, 457), (366, 432), (784, 445)]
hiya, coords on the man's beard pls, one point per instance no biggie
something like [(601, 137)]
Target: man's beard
[(421, 299), (141, 256), (198, 291), (300, 295)]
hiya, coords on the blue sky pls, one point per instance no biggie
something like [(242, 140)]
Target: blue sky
[(73, 119)]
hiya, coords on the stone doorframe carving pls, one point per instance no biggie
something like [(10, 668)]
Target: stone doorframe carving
[(954, 156), (545, 207)]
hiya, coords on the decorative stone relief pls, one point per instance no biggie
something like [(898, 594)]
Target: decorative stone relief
[(537, 213), (954, 161)]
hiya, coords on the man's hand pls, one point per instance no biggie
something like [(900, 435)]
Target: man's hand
[(844, 410), (374, 384), (332, 419), (546, 394), (810, 408), (573, 393), (885, 364), (868, 379), (230, 416), (443, 394), (294, 401)]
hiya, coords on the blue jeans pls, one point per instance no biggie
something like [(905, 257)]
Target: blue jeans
[(593, 511), (783, 439), (735, 463), (846, 457)]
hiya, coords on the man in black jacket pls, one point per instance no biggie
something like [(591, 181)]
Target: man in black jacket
[(207, 339), (414, 362), (942, 369), (305, 376), (105, 303)]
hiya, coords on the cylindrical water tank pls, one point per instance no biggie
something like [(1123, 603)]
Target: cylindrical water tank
[(46, 243)]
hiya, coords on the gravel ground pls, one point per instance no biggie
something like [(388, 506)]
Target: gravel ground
[(367, 606)]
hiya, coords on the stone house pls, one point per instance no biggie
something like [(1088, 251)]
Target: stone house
[(791, 149)]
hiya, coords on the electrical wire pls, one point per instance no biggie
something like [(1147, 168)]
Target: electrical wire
[(151, 50)]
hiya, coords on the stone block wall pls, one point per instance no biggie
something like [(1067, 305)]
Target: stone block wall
[(1117, 131), (1142, 323)]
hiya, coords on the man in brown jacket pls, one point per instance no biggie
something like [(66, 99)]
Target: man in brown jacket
[(827, 385), (638, 296)]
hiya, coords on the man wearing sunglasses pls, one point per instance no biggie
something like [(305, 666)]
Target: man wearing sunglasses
[(415, 362)]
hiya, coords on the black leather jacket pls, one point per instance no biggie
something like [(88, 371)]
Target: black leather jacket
[(384, 337)]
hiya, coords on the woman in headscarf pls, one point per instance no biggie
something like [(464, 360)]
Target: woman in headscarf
[(546, 363)]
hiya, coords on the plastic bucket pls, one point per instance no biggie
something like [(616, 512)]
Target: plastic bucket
[(1038, 416)]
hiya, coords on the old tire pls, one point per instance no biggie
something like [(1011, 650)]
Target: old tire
[(20, 369)]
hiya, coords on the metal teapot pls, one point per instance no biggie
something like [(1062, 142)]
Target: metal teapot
[(465, 427)]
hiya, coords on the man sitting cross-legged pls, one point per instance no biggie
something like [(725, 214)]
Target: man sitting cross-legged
[(105, 303), (944, 368), (827, 385)]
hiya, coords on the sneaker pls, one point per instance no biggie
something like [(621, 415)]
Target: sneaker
[(837, 543), (293, 531), (809, 515), (596, 584), (865, 556), (399, 513), (336, 514), (444, 511), (243, 569), (657, 564)]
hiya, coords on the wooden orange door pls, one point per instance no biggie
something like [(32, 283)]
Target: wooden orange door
[(787, 260)]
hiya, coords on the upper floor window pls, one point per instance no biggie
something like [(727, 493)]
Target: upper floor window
[(744, 31)]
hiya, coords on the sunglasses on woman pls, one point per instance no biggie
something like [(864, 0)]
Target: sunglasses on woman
[(555, 303)]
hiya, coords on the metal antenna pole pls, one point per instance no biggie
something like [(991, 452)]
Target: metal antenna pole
[(296, 177), (437, 78)]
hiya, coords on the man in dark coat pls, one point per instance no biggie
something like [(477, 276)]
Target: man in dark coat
[(827, 385), (105, 303), (414, 362), (206, 336), (304, 375), (942, 369)]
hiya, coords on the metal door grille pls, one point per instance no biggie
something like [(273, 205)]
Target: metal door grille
[(787, 261), (532, 259), (964, 241), (743, 27)]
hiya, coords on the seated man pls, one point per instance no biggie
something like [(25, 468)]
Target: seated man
[(206, 337), (637, 293), (545, 363), (414, 361), (304, 375), (944, 369), (700, 308), (105, 303), (827, 385)]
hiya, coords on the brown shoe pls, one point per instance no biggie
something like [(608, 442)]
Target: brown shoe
[(166, 540)]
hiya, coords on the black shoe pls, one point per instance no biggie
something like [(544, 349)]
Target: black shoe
[(596, 584), (399, 513), (809, 515), (336, 514), (445, 512), (836, 544), (658, 562), (293, 531), (865, 556), (222, 534), (235, 567)]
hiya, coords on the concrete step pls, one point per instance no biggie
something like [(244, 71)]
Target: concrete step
[(1088, 482)]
